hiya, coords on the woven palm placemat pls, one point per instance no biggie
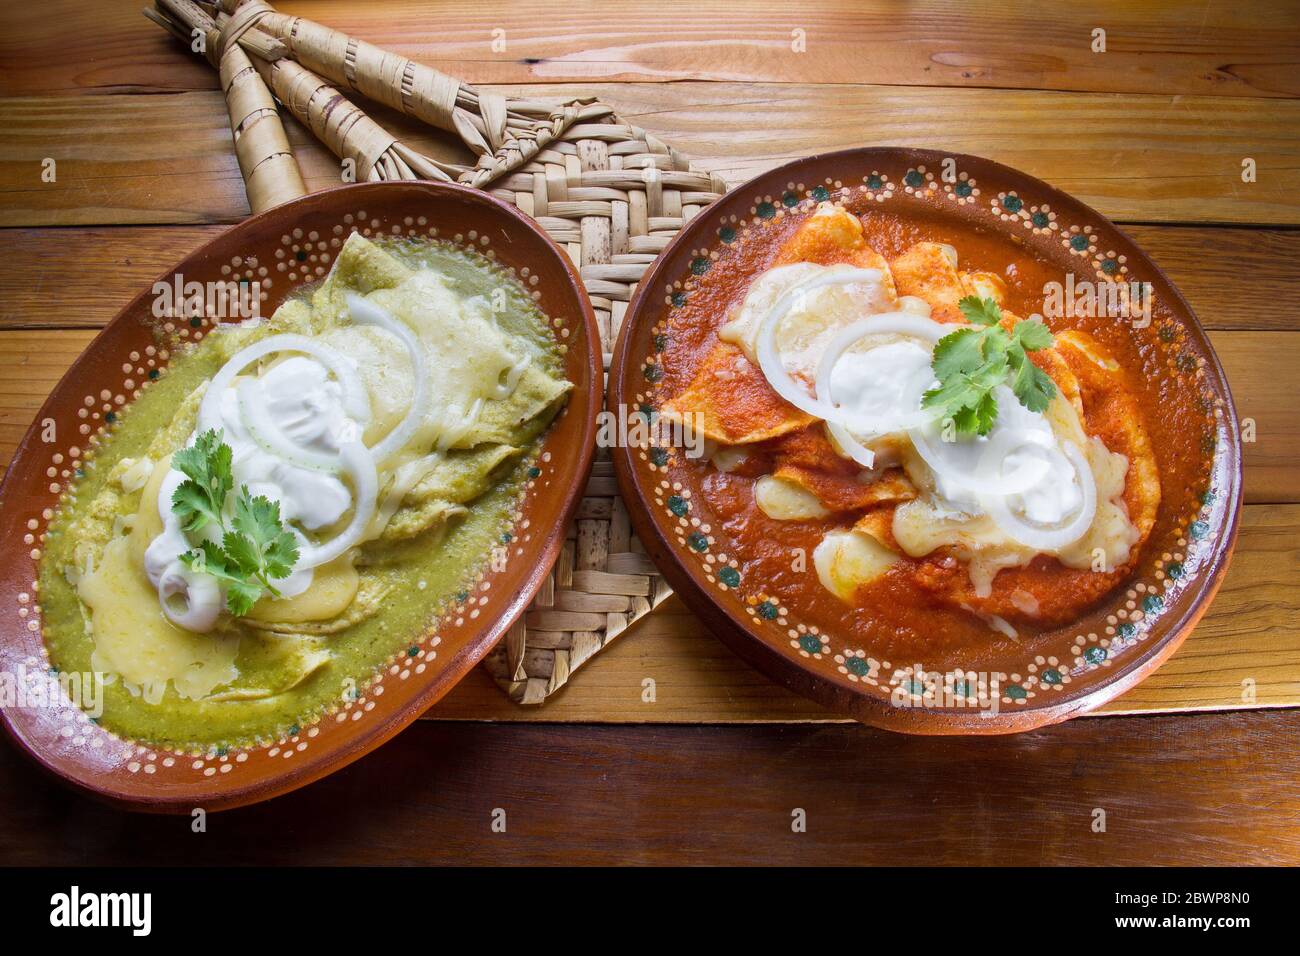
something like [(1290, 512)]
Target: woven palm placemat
[(613, 196), (608, 192)]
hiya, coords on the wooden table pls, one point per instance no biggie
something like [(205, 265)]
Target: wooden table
[(1153, 133)]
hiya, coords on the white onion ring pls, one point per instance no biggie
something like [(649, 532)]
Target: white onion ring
[(1047, 538), (359, 464), (199, 591), (886, 323), (770, 362), (356, 401), (364, 312)]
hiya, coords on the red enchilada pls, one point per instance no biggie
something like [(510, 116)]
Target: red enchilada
[(900, 487)]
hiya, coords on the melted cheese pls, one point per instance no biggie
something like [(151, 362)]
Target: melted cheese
[(148, 523), (333, 588), (146, 649), (846, 560), (784, 500)]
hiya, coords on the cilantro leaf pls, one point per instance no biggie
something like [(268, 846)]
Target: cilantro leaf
[(255, 547), (971, 362), (257, 519), (194, 505), (1033, 386), (962, 351), (207, 466), (241, 595), (980, 311), (209, 558), (1032, 335)]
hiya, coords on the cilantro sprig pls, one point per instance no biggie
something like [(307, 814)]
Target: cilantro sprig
[(255, 545), (974, 360)]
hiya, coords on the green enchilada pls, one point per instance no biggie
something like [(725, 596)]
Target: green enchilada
[(298, 496)]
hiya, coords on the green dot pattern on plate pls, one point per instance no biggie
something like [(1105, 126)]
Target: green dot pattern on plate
[(913, 178), (678, 506), (765, 210), (767, 611), (821, 194), (700, 265), (963, 189), (729, 576), (1016, 692), (1051, 676), (653, 372), (1094, 655), (1079, 243), (698, 542), (1012, 203), (658, 457), (857, 666)]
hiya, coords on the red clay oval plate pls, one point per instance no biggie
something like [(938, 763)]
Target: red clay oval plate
[(277, 252), (909, 652)]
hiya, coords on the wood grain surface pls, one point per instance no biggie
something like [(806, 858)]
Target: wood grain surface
[(1216, 49), (138, 158), (1219, 788)]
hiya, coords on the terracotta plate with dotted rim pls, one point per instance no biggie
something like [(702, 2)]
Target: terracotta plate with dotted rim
[(1054, 677), (281, 250)]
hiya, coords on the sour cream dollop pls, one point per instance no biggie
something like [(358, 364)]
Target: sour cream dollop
[(300, 399), (1034, 483)]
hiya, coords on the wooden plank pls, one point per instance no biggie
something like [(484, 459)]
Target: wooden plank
[(1264, 377), (81, 278), (98, 270), (1166, 47), (167, 158), (1210, 789)]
